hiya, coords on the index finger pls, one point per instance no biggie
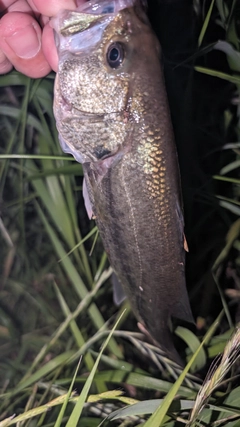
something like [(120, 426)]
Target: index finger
[(51, 7)]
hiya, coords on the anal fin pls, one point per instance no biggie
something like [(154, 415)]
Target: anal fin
[(118, 292), (182, 309), (87, 201)]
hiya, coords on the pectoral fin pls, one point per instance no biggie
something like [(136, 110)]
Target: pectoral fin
[(181, 225), (185, 245), (87, 202), (118, 292)]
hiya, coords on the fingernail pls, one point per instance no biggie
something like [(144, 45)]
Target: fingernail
[(25, 42)]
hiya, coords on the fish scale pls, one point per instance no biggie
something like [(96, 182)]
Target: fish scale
[(116, 122)]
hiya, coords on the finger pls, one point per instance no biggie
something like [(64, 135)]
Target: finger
[(20, 41), (49, 47), (11, 6), (5, 64), (51, 7), (15, 6)]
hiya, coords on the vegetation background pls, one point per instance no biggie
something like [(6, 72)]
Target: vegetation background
[(56, 303)]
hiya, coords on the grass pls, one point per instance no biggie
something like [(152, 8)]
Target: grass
[(60, 356)]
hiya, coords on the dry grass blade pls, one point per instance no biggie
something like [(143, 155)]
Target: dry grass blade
[(216, 375), (158, 357), (34, 412)]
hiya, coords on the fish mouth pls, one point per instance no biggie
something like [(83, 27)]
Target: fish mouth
[(96, 116), (71, 112), (69, 22)]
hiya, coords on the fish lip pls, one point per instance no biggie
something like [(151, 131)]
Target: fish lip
[(85, 114), (97, 115)]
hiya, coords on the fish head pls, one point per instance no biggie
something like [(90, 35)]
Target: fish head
[(103, 49)]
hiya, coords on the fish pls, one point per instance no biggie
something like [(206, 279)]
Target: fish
[(112, 115)]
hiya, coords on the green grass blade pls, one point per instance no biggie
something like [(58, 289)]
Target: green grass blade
[(13, 79), (205, 24), (230, 167), (64, 406), (35, 157), (148, 407), (77, 335), (76, 413), (93, 231), (61, 329), (227, 179), (193, 343), (140, 381), (76, 280), (15, 112), (44, 370), (157, 419), (232, 79)]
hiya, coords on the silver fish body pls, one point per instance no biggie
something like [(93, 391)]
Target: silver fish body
[(112, 114)]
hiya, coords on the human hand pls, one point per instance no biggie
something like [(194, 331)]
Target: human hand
[(26, 38)]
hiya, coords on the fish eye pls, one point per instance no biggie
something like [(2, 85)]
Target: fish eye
[(115, 55)]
